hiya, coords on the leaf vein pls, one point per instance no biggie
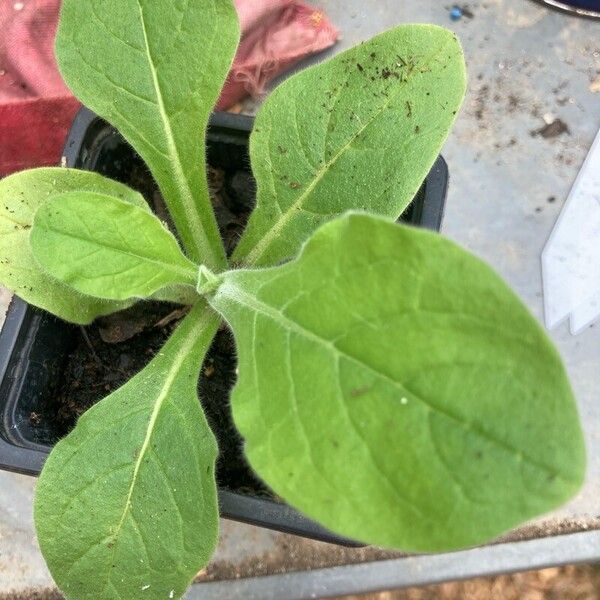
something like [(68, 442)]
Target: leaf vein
[(240, 296), (278, 225)]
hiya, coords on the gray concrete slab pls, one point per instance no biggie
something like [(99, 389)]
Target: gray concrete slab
[(524, 62), (21, 564)]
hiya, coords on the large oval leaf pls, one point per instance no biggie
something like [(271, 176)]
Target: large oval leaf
[(393, 388), (107, 248), (155, 69), (21, 195), (126, 504), (358, 131)]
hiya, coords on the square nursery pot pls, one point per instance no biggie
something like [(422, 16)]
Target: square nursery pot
[(36, 348)]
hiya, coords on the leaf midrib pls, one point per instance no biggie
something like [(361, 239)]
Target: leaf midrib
[(240, 296), (182, 355), (261, 247), (181, 181), (187, 272)]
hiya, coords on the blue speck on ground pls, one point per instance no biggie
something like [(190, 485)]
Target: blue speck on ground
[(456, 13)]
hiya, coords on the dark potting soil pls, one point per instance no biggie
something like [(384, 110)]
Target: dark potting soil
[(114, 348)]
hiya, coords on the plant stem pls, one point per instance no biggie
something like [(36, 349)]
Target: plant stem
[(208, 282)]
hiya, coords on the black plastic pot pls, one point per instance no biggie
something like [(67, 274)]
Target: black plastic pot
[(582, 8), (34, 344)]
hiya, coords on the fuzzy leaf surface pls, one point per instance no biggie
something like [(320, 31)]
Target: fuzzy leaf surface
[(155, 70), (360, 131), (107, 248), (126, 504), (21, 195), (392, 387)]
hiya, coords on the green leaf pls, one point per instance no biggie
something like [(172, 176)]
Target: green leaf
[(106, 248), (155, 69), (21, 195), (359, 131), (392, 387), (126, 504)]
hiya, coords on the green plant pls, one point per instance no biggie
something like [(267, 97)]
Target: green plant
[(391, 386)]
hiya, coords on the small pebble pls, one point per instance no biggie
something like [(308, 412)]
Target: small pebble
[(456, 13)]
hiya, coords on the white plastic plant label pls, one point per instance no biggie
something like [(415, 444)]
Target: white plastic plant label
[(571, 258)]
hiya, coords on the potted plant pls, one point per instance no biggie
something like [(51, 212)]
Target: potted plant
[(51, 371), (391, 386)]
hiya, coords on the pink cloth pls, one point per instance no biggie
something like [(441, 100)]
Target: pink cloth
[(276, 35), (36, 108)]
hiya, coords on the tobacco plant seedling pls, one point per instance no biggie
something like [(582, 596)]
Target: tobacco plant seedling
[(390, 386)]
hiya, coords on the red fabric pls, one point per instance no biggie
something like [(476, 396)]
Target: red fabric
[(276, 35), (36, 108)]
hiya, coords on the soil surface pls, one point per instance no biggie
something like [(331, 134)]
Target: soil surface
[(114, 348)]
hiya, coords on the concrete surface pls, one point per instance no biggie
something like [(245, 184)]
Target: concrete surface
[(507, 188)]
